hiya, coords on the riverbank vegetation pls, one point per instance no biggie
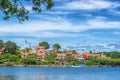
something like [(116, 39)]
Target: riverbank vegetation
[(12, 56)]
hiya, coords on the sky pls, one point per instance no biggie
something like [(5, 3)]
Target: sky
[(74, 24)]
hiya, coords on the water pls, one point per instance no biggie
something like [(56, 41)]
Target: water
[(58, 73)]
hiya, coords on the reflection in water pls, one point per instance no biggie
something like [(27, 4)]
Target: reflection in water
[(8, 77), (49, 73), (13, 77)]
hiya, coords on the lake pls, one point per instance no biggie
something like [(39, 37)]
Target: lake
[(58, 73)]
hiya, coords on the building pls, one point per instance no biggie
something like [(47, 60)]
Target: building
[(86, 55), (39, 48), (98, 55), (70, 52), (41, 52), (24, 54), (89, 55), (40, 55), (2, 50), (61, 55), (78, 56), (54, 51)]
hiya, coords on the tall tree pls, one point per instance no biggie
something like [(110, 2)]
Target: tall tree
[(17, 8), (1, 43), (56, 46), (44, 44), (11, 47)]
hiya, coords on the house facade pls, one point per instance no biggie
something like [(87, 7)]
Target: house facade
[(2, 50), (41, 52), (61, 55)]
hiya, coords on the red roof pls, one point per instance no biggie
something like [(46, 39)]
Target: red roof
[(76, 55), (39, 54), (39, 47), (62, 54), (70, 51), (86, 55), (54, 51), (2, 49)]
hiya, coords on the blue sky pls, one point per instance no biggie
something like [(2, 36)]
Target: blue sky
[(75, 24)]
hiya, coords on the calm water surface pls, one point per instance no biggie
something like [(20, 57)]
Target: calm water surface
[(58, 73)]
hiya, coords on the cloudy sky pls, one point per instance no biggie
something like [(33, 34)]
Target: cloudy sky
[(75, 24)]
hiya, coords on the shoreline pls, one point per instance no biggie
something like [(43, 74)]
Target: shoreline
[(71, 66)]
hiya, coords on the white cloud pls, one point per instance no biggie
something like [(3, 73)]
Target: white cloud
[(116, 12), (29, 8), (117, 33), (46, 25), (89, 5), (57, 12)]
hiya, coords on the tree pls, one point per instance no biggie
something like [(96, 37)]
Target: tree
[(29, 60), (11, 47), (27, 49), (56, 46), (44, 44), (17, 8), (1, 43)]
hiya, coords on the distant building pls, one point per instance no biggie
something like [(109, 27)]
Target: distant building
[(78, 56), (89, 55), (24, 54), (99, 55), (61, 55), (54, 51), (2, 50), (70, 52), (41, 52), (86, 55)]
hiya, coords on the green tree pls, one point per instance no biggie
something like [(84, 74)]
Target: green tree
[(11, 47), (1, 43), (44, 44), (27, 49), (29, 60), (17, 8), (56, 46), (51, 58)]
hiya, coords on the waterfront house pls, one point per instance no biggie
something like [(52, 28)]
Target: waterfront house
[(40, 55), (70, 52), (86, 55), (78, 56), (89, 55), (41, 52), (2, 50), (24, 54), (98, 55), (54, 51), (39, 48), (32, 51), (61, 55)]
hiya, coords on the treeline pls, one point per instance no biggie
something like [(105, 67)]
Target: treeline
[(12, 56), (51, 59), (113, 54), (103, 62), (10, 47)]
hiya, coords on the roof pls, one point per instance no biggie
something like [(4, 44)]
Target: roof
[(24, 53), (39, 54), (76, 55), (61, 54), (96, 55), (86, 54), (39, 47), (2, 49), (54, 51), (70, 51)]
